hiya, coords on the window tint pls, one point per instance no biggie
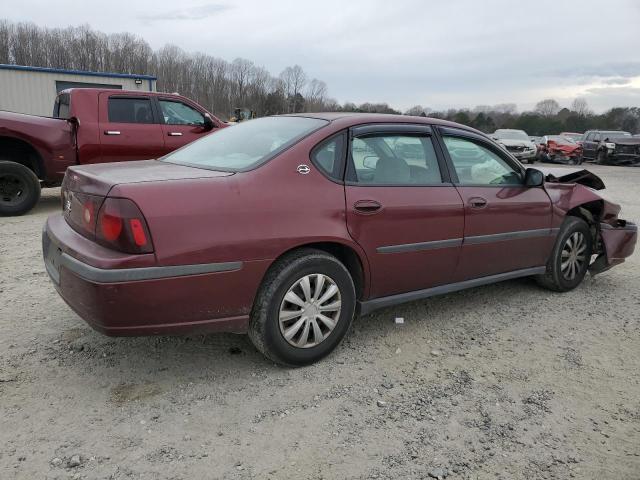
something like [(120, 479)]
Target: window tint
[(389, 159), (245, 145), (178, 113), (596, 137), (329, 156), (477, 165), (130, 110)]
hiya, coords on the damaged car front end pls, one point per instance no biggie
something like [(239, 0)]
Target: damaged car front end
[(577, 192)]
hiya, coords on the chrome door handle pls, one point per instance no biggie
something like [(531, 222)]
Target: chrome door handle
[(478, 202), (112, 132), (175, 134)]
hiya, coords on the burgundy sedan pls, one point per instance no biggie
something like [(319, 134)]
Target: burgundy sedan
[(286, 227)]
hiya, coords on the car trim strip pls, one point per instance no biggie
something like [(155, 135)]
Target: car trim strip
[(101, 275), (474, 240), (369, 306), (499, 237), (417, 247)]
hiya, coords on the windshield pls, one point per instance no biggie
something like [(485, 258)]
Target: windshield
[(511, 135), (562, 140), (245, 146)]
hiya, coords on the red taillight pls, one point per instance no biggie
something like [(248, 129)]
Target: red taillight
[(111, 227), (122, 227)]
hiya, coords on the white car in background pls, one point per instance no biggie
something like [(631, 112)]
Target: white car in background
[(516, 142)]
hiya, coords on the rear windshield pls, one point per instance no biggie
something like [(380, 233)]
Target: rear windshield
[(246, 145)]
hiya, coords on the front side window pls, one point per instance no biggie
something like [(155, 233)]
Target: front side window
[(394, 159), (130, 110), (246, 145), (477, 165), (178, 113)]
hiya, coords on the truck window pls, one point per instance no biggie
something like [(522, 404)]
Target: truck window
[(61, 106), (178, 113), (130, 110)]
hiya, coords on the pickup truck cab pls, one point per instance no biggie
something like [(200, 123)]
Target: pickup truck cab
[(91, 126)]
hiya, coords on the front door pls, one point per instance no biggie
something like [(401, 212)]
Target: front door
[(401, 208), (181, 123), (590, 145), (507, 225), (128, 128)]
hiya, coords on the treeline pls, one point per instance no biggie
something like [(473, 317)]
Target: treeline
[(221, 86), (547, 118), (215, 83)]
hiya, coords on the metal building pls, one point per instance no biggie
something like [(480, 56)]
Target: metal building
[(33, 90)]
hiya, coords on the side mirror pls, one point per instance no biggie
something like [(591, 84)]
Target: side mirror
[(533, 178), (208, 122)]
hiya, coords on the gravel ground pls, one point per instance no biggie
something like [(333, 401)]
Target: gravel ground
[(507, 381)]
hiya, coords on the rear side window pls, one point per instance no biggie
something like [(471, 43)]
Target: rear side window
[(177, 113), (394, 159), (62, 107), (130, 110), (329, 156)]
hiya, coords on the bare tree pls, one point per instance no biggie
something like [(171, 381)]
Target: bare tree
[(316, 95), (417, 111), (580, 106), (294, 79), (548, 107)]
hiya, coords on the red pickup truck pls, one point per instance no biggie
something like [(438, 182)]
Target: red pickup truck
[(91, 126)]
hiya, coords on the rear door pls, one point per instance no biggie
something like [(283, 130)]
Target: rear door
[(181, 123), (402, 208), (129, 128), (507, 225)]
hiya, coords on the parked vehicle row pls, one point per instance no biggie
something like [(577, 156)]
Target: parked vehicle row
[(286, 227), (91, 126)]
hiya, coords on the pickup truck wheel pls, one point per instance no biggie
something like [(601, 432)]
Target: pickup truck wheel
[(304, 308), (601, 159), (19, 189), (570, 257)]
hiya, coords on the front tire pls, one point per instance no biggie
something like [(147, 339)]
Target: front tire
[(303, 309), (570, 257), (601, 158), (19, 189)]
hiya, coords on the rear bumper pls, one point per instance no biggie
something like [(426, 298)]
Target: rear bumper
[(619, 242), (202, 298)]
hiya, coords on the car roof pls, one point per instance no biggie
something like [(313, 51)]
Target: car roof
[(358, 118)]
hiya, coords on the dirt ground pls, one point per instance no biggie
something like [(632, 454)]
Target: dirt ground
[(508, 381)]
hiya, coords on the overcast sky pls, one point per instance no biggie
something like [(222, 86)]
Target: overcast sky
[(440, 54)]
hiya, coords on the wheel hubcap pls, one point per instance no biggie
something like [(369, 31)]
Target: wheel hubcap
[(11, 189), (310, 310), (574, 256)]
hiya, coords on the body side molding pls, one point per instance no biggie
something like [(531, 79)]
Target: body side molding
[(369, 306)]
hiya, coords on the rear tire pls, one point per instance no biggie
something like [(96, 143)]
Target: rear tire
[(274, 317), (570, 257), (19, 189)]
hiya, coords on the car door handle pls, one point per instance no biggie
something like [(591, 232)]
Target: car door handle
[(367, 207), (112, 132), (175, 134), (478, 202)]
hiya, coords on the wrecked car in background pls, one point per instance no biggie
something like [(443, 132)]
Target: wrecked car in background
[(518, 143), (607, 147), (560, 149)]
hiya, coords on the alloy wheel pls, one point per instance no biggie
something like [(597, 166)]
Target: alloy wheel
[(310, 310), (573, 257)]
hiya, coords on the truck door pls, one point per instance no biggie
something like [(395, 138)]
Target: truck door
[(181, 123), (129, 128)]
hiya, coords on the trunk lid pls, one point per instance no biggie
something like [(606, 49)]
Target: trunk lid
[(99, 178)]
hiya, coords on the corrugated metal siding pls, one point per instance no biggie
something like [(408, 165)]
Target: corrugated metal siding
[(34, 92)]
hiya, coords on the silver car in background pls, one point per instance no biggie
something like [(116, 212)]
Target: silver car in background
[(516, 142)]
